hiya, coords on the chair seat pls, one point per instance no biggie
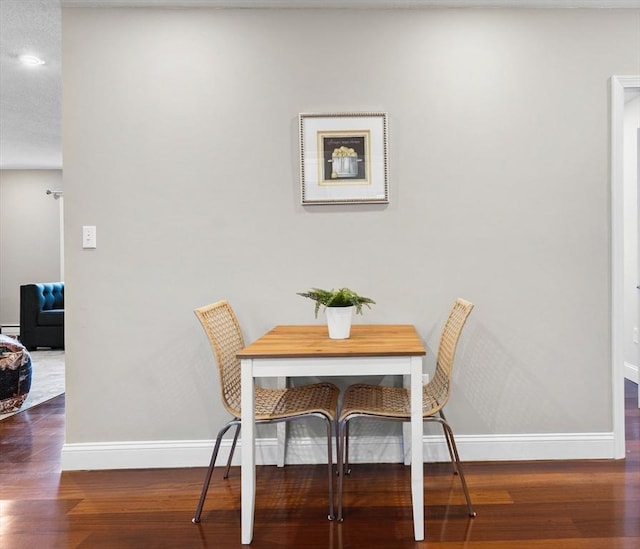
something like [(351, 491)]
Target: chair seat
[(389, 402), (376, 400), (272, 404)]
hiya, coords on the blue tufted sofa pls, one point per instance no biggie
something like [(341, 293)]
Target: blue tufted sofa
[(42, 315)]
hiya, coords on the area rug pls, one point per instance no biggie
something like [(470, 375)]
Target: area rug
[(47, 379)]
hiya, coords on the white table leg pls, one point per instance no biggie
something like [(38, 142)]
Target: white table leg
[(417, 483), (281, 429), (248, 472), (406, 428)]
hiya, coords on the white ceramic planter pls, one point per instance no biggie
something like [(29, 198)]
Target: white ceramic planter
[(339, 322)]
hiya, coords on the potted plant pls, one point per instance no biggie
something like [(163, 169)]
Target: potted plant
[(339, 306)]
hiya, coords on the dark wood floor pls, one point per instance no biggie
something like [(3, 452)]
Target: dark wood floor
[(566, 505)]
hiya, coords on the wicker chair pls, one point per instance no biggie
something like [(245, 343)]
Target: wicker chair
[(394, 403), (271, 405)]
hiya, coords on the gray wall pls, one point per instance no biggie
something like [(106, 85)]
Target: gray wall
[(29, 235), (181, 146)]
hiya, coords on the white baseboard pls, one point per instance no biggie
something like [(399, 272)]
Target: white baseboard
[(631, 372), (12, 330), (197, 453)]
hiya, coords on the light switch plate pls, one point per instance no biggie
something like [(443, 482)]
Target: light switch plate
[(88, 236)]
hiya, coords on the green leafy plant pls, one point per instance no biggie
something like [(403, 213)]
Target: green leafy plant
[(344, 297)]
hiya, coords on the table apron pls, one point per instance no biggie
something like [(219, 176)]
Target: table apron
[(329, 366)]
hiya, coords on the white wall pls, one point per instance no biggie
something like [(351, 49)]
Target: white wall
[(180, 145), (29, 235)]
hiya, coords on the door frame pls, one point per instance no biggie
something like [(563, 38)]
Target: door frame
[(618, 86)]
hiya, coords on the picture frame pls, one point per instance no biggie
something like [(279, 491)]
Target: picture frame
[(343, 158)]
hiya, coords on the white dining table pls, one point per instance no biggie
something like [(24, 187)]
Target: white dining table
[(301, 351)]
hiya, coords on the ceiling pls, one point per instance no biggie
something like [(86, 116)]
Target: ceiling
[(30, 97)]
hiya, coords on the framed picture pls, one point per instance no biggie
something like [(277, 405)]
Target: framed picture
[(343, 158)]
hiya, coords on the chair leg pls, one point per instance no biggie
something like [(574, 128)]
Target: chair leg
[(347, 469), (450, 438), (207, 478), (330, 468), (343, 429), (336, 427), (233, 448), (446, 437)]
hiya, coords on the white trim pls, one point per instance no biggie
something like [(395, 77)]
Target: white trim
[(197, 453), (10, 329), (618, 85), (134, 455), (631, 372), (350, 4)]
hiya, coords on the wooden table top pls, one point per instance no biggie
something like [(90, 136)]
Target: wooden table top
[(313, 341)]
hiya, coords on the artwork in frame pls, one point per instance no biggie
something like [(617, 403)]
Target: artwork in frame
[(343, 158)]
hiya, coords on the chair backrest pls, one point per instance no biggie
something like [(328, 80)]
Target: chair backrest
[(440, 385), (222, 329)]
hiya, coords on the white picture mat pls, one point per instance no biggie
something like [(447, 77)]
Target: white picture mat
[(313, 189)]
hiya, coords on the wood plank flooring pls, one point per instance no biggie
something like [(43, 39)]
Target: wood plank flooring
[(550, 505)]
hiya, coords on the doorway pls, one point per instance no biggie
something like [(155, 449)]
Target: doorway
[(620, 86)]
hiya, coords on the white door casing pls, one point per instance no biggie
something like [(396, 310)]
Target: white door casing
[(618, 86)]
